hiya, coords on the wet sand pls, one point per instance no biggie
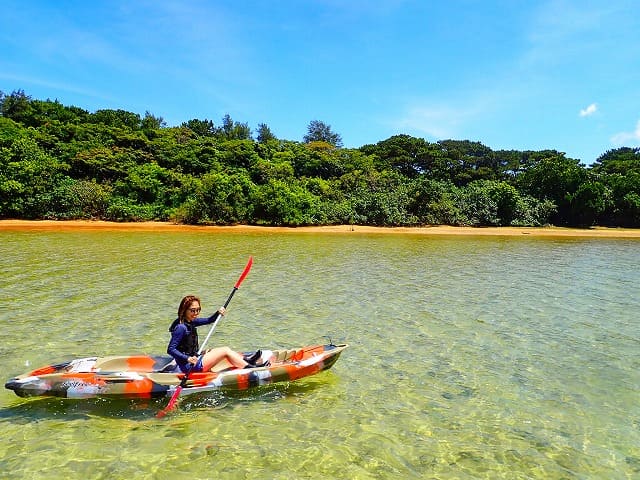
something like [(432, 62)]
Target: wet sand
[(79, 225)]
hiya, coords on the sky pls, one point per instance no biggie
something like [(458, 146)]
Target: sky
[(511, 74)]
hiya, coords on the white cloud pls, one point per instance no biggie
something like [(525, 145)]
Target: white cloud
[(439, 121), (55, 86), (447, 118), (626, 138), (590, 110), (435, 122)]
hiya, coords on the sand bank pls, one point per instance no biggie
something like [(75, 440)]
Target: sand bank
[(78, 225)]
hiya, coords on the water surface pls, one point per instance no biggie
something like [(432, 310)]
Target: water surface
[(471, 357)]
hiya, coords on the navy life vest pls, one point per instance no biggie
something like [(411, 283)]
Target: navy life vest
[(189, 343)]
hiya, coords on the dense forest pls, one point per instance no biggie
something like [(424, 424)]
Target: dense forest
[(64, 162)]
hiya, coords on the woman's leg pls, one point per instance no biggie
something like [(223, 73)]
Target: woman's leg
[(213, 356)]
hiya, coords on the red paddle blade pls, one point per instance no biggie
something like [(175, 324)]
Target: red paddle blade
[(172, 403), (245, 272)]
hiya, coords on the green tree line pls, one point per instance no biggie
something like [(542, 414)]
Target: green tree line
[(64, 162)]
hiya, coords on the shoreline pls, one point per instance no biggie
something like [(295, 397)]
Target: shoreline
[(99, 225)]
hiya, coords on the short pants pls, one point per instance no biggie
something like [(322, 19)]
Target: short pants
[(192, 368), (198, 366)]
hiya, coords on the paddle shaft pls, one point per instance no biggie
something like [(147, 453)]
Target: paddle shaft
[(235, 289), (243, 275)]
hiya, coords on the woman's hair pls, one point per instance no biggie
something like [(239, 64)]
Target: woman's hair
[(184, 306)]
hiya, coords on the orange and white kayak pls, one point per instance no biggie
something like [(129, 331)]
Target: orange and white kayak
[(144, 376)]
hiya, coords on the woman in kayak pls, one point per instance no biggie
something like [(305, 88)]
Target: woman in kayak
[(183, 346)]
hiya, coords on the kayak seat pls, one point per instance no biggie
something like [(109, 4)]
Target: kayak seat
[(169, 367)]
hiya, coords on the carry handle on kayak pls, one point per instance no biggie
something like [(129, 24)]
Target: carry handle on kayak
[(176, 393)]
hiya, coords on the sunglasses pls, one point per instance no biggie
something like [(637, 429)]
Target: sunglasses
[(195, 310)]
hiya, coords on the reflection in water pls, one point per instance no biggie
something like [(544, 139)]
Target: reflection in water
[(42, 408)]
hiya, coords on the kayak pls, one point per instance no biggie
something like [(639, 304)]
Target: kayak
[(148, 376)]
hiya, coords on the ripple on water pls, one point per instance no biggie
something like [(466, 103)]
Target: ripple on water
[(469, 358)]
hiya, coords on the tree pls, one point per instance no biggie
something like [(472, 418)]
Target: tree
[(103, 164), (589, 201), (231, 130), (285, 203), (264, 170), (410, 156), (318, 131), (621, 160), (202, 128), (28, 176), (116, 118), (73, 199), (219, 198), (238, 154), (625, 191), (61, 162), (632, 209), (470, 161), (378, 198), (264, 134), (433, 202), (9, 131), (17, 107), (478, 205), (619, 171), (151, 122), (46, 112), (555, 178), (319, 161)]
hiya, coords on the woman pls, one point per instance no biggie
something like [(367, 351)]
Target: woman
[(183, 346)]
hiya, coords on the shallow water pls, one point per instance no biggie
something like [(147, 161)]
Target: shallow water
[(471, 357)]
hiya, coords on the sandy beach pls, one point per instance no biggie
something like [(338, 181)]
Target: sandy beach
[(78, 225)]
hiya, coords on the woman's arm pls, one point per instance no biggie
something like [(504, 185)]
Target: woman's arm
[(211, 319), (176, 337)]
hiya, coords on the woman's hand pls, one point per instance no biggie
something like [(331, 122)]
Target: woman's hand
[(192, 360), (222, 311)]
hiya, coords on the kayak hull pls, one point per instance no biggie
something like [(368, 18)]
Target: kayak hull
[(142, 376)]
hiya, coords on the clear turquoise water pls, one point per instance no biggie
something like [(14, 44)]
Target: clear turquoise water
[(473, 357)]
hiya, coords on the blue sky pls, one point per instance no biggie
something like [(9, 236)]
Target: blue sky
[(512, 74)]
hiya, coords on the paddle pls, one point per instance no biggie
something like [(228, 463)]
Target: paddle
[(176, 393)]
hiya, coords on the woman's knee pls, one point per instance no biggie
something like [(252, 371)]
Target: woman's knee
[(226, 351)]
